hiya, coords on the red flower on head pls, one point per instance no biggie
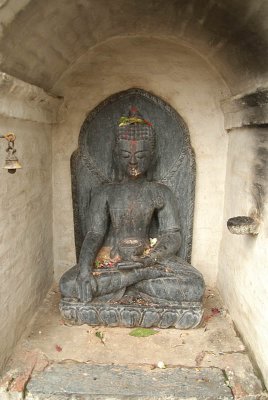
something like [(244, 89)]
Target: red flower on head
[(147, 122)]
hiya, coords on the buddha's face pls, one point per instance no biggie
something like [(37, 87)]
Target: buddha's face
[(134, 157)]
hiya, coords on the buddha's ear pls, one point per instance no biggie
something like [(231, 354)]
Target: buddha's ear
[(117, 172), (150, 172)]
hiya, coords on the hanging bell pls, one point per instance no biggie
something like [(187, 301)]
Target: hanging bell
[(12, 166), (12, 162)]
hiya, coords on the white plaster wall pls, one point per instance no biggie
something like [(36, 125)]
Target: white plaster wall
[(243, 261), (26, 258), (183, 79)]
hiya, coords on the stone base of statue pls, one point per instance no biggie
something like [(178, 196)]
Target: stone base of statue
[(183, 316)]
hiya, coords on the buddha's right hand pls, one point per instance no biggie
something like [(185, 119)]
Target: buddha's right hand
[(83, 285)]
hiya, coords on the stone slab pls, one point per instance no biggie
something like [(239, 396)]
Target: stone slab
[(213, 345), (87, 381), (187, 315)]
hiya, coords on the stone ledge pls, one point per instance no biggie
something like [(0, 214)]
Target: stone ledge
[(27, 102), (85, 381), (184, 316), (248, 109)]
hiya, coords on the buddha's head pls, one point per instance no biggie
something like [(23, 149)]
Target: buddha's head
[(135, 145)]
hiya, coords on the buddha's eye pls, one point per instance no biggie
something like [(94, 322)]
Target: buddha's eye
[(125, 154), (141, 154)]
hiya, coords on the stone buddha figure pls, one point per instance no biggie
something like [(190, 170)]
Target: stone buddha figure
[(141, 271)]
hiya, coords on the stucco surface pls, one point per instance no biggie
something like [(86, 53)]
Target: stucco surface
[(186, 82), (26, 261), (243, 260), (42, 39)]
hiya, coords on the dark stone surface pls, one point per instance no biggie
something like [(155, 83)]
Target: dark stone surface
[(84, 381), (133, 180), (92, 163)]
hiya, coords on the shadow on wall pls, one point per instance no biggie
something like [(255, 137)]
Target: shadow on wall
[(260, 170)]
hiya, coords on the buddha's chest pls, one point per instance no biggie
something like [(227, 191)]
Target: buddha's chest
[(131, 206)]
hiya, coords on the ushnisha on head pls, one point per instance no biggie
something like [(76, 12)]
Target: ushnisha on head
[(135, 145)]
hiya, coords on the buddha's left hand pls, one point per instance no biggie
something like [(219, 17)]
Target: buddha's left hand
[(138, 262), (146, 261), (129, 265)]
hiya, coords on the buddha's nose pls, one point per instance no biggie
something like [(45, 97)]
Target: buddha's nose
[(133, 160)]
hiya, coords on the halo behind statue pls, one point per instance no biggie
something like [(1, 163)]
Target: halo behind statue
[(92, 163)]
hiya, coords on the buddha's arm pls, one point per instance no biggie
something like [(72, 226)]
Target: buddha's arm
[(97, 223), (169, 239)]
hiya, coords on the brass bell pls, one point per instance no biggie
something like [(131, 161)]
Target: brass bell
[(12, 165), (12, 162)]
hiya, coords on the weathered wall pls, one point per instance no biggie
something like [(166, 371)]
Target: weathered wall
[(26, 258), (47, 37), (243, 259), (184, 80)]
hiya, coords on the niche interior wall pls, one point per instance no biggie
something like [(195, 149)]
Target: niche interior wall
[(183, 79), (26, 256), (243, 259)]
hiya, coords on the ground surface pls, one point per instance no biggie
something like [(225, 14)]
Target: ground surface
[(210, 362)]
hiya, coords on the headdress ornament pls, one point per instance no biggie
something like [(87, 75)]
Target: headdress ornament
[(135, 127), (134, 117)]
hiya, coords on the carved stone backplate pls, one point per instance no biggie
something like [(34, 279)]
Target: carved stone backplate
[(92, 162)]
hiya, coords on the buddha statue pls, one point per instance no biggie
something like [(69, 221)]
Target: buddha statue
[(138, 269)]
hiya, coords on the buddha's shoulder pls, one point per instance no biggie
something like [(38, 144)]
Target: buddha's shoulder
[(101, 190), (106, 189), (161, 188)]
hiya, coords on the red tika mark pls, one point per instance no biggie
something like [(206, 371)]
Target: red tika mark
[(133, 110), (215, 311), (133, 145), (58, 348)]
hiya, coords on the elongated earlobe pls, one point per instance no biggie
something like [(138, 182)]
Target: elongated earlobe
[(117, 174), (150, 172)]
